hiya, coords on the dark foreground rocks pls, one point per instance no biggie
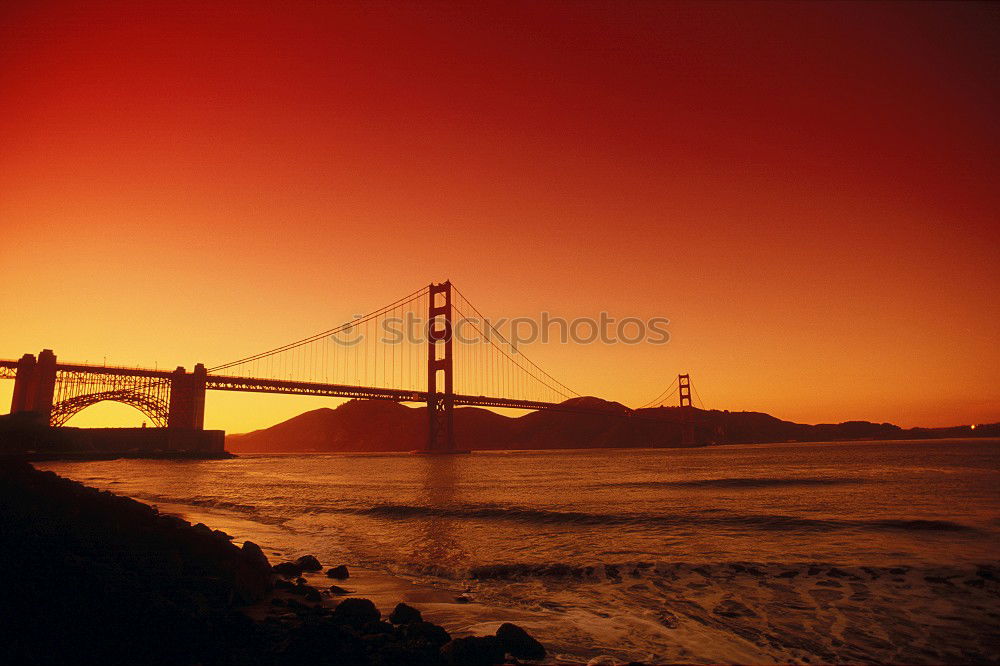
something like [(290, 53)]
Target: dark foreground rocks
[(309, 563), (405, 614), (89, 577), (338, 572), (473, 651), (518, 643)]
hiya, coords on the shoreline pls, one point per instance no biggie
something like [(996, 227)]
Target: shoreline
[(123, 583), (697, 609)]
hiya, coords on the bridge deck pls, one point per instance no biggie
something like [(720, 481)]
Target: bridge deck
[(253, 385), (226, 383)]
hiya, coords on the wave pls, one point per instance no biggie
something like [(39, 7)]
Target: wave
[(676, 571), (736, 482), (536, 516), (757, 521), (252, 511)]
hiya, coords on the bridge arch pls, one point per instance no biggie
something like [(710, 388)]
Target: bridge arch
[(157, 411)]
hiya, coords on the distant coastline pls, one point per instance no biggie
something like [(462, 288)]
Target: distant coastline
[(372, 426)]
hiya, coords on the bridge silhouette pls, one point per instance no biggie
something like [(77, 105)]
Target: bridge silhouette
[(357, 359)]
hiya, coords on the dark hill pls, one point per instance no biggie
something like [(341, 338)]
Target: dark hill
[(586, 422)]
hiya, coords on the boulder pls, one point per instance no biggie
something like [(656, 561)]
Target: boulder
[(253, 554), (287, 569), (338, 590), (309, 563), (403, 614), (338, 572), (425, 632), (305, 591), (519, 643), (473, 651), (356, 612)]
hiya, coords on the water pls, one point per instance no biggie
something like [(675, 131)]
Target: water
[(640, 553)]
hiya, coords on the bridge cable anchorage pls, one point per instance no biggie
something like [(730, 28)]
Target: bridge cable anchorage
[(660, 399)]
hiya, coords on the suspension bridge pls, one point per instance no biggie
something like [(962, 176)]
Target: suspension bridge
[(403, 352)]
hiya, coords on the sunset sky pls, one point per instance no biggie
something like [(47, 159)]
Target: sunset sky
[(808, 192)]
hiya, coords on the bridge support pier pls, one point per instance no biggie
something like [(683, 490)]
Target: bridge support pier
[(687, 426), (34, 385), (440, 404), (187, 398)]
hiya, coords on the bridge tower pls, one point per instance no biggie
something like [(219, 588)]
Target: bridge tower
[(440, 404), (187, 398), (22, 398), (34, 385), (687, 410), (684, 389)]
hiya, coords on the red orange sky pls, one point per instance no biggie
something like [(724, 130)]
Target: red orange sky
[(808, 191)]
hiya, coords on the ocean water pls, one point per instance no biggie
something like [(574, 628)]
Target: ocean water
[(764, 553)]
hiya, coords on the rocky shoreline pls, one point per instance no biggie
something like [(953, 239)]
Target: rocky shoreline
[(93, 577)]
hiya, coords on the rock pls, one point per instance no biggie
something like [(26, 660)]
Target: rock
[(379, 628), (339, 591), (308, 592), (296, 605), (519, 643), (462, 599), (473, 651), (255, 555), (338, 572), (251, 576), (283, 585), (287, 569), (309, 563), (403, 614), (426, 632), (300, 581), (356, 612)]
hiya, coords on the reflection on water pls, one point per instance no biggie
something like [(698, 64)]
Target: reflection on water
[(436, 540)]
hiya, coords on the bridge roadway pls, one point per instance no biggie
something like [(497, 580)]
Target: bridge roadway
[(8, 369)]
